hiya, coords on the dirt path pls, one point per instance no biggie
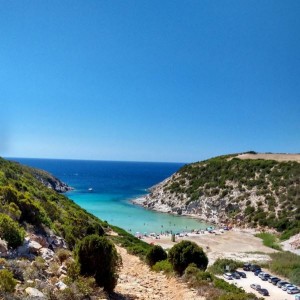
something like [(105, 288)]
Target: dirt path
[(137, 281)]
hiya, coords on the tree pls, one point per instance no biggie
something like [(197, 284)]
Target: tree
[(97, 256), (185, 253), (155, 254)]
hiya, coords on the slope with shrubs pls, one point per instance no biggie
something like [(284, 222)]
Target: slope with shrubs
[(252, 192), (26, 201)]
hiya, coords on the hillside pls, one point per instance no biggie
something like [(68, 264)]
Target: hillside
[(245, 189)]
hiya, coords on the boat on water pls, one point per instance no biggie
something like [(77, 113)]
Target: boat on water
[(90, 189)]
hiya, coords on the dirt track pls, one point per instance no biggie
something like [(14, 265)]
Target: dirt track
[(137, 281)]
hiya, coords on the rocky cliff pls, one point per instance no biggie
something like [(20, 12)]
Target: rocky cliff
[(247, 191)]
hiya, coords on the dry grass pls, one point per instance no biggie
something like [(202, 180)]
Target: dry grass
[(271, 156)]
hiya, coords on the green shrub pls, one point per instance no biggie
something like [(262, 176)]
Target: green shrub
[(155, 254), (295, 276), (163, 265), (7, 281), (224, 285), (185, 253), (97, 256), (269, 240), (63, 254), (286, 264), (10, 231), (219, 266)]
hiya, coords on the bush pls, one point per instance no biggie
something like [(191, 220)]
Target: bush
[(285, 264), (7, 281), (97, 256), (163, 265), (10, 231), (220, 264), (269, 240), (63, 254), (155, 254), (185, 253)]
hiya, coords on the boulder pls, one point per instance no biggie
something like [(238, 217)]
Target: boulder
[(42, 240), (56, 242), (3, 248), (32, 292), (46, 253), (34, 247), (61, 286)]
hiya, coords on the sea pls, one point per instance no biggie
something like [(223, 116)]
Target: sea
[(106, 188)]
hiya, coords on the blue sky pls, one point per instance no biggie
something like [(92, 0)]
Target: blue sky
[(149, 80)]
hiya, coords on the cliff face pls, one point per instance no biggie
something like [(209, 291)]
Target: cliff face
[(50, 181), (255, 192)]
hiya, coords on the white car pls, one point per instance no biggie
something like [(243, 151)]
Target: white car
[(227, 276), (287, 286), (293, 290)]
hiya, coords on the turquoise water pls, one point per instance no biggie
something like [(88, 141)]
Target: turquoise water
[(114, 184)]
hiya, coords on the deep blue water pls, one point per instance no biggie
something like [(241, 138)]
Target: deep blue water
[(114, 184)]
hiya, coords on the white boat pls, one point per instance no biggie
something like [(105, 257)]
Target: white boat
[(90, 189)]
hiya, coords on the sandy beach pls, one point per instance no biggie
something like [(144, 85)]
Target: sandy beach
[(236, 244)]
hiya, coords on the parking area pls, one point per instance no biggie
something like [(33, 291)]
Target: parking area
[(275, 292)]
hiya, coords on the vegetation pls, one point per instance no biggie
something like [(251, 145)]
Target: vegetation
[(275, 186), (219, 266), (131, 243), (185, 253), (10, 231), (286, 264), (269, 240), (164, 266), (27, 201), (7, 281), (98, 257), (155, 254), (212, 287)]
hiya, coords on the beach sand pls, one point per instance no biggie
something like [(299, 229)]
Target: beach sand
[(236, 244)]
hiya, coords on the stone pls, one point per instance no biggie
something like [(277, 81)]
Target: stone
[(32, 292), (46, 253), (62, 270), (3, 248), (34, 247), (61, 286)]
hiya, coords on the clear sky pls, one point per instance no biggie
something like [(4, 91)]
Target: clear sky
[(149, 80)]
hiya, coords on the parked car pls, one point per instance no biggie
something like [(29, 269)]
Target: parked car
[(228, 276), (294, 290), (253, 268), (264, 276), (274, 280), (242, 274), (281, 283), (235, 275), (264, 292), (286, 286), (257, 272), (246, 267), (255, 286)]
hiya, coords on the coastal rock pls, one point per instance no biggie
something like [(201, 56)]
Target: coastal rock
[(32, 292)]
